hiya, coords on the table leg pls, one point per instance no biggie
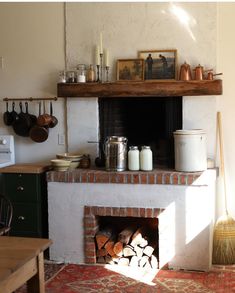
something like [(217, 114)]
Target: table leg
[(37, 284)]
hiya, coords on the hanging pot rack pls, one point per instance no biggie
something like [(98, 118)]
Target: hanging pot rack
[(31, 99)]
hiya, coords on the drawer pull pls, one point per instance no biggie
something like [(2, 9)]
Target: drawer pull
[(20, 188), (22, 218)]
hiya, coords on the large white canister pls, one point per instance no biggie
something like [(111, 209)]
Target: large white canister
[(190, 150)]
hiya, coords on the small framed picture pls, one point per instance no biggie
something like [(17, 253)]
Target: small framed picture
[(130, 69), (159, 64)]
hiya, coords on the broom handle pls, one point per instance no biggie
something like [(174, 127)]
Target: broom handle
[(222, 158)]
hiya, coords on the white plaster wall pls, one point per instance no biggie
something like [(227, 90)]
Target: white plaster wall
[(130, 27), (191, 234), (83, 125), (226, 103), (32, 45)]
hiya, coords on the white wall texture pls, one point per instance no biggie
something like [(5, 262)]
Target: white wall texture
[(226, 103), (33, 47)]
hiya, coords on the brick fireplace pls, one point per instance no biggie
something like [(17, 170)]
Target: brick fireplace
[(182, 202), (92, 215)]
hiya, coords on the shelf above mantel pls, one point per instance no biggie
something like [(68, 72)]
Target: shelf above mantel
[(141, 89)]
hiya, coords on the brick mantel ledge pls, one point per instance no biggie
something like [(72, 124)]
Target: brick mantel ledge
[(128, 177)]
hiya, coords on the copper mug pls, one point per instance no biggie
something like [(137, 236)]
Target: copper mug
[(185, 72)]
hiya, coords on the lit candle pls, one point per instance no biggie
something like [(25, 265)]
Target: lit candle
[(101, 43), (97, 55), (107, 58)]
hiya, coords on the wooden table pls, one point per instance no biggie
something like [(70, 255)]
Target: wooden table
[(21, 260)]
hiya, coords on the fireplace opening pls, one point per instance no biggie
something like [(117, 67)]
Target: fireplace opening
[(144, 121), (128, 241)]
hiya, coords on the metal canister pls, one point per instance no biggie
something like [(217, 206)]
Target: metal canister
[(115, 153)]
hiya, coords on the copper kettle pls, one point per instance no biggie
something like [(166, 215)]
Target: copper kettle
[(199, 72), (185, 72)]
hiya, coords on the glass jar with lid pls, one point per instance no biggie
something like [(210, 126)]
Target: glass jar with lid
[(133, 158), (81, 75), (71, 76), (62, 76), (146, 158)]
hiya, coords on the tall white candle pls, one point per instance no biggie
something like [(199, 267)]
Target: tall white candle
[(101, 43), (97, 55), (107, 57)]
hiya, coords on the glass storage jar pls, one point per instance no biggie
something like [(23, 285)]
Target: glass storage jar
[(62, 76), (71, 77), (81, 77)]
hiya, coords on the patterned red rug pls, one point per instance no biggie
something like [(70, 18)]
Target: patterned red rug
[(91, 279)]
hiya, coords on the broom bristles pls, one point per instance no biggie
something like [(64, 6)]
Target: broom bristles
[(224, 241)]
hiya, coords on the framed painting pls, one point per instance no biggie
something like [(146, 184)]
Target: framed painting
[(159, 64), (130, 70)]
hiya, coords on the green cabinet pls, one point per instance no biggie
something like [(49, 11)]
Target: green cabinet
[(28, 194)]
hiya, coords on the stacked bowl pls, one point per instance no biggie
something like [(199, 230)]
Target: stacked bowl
[(60, 165), (73, 159)]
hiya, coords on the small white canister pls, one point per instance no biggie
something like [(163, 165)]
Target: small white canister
[(190, 150)]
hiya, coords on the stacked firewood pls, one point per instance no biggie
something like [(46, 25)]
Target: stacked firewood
[(133, 246)]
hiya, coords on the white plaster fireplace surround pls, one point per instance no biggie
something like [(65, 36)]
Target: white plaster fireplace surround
[(185, 226)]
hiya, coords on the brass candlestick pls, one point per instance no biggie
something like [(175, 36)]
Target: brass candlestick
[(101, 67), (98, 73)]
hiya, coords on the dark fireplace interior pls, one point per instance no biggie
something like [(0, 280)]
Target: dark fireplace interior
[(144, 121), (120, 228)]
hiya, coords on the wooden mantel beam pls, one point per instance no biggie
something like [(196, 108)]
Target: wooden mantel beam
[(141, 89)]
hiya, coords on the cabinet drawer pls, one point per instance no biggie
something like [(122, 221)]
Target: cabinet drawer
[(22, 187), (26, 218)]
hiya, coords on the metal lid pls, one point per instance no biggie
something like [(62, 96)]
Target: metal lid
[(116, 138), (133, 147), (145, 147), (81, 66), (189, 131)]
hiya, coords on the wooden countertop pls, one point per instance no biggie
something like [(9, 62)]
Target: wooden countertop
[(26, 168)]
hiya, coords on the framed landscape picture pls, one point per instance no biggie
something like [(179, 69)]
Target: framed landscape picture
[(159, 64), (130, 69)]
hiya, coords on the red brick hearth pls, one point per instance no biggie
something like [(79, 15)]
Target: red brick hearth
[(127, 177), (91, 215)]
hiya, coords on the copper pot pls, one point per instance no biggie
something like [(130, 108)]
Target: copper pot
[(210, 75), (54, 120), (39, 133), (185, 72), (44, 119)]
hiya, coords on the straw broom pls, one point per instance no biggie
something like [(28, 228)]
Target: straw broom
[(224, 231)]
